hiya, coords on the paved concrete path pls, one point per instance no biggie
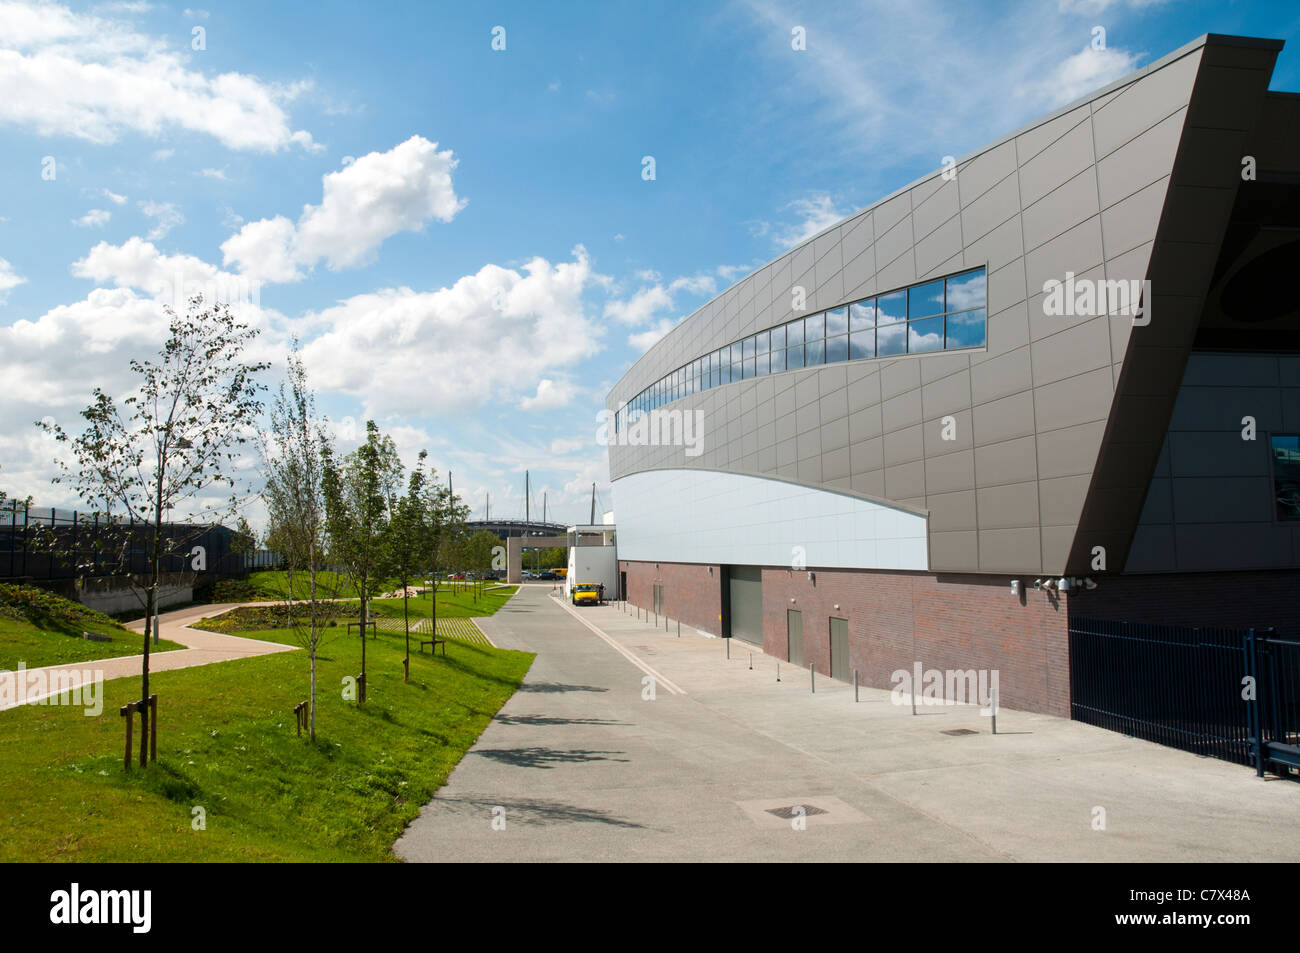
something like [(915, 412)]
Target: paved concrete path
[(584, 767), (201, 648)]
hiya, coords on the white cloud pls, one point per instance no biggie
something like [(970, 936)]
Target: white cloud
[(815, 213), (162, 155), (644, 340), (641, 306), (95, 78), (165, 215), (1100, 6), (9, 279), (362, 204), (480, 340), (219, 174), (113, 197), (95, 218), (563, 445), (550, 395), (1085, 71)]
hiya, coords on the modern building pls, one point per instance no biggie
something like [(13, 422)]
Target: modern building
[(1058, 380)]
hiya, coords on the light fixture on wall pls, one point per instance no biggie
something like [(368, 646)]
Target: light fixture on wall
[(1049, 583), (1089, 584), (1064, 584), (1038, 584), (1015, 587), (812, 577), (792, 598), (837, 606)]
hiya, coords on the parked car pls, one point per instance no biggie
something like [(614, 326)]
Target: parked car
[(585, 594)]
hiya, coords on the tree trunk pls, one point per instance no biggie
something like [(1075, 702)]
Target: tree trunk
[(311, 733), (406, 617), (151, 608)]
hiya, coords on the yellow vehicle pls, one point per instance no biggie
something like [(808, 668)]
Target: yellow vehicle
[(585, 594), (562, 572)]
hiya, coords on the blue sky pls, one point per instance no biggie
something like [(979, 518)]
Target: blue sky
[(461, 236)]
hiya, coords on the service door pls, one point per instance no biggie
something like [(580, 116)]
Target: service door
[(745, 584), (840, 649), (794, 636)]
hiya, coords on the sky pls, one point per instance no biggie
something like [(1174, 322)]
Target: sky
[(448, 204)]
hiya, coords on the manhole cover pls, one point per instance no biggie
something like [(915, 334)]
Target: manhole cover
[(789, 812), (959, 731)]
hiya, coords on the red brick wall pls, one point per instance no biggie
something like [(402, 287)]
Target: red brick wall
[(944, 622), (692, 593)]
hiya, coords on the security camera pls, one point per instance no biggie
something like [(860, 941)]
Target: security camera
[(1089, 584), (1063, 584)]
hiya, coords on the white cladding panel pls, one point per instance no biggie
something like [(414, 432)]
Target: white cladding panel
[(707, 516)]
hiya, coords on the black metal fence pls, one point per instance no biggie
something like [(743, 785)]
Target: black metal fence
[(1224, 693), (49, 543)]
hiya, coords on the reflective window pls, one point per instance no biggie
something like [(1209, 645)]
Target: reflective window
[(862, 315), (891, 339), (1286, 475), (966, 291), (891, 307), (925, 300), (925, 335), (967, 329), (945, 313)]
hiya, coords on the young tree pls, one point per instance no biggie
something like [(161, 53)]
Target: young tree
[(412, 539), (358, 505), (295, 453), (173, 441), (244, 543)]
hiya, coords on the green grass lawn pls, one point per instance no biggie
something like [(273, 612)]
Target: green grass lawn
[(39, 628), (227, 743), (461, 605), (274, 585)]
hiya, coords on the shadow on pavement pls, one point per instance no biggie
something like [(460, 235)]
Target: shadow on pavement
[(537, 757), (545, 812)]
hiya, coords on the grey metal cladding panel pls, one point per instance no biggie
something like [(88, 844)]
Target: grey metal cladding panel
[(859, 274), (1214, 454), (953, 471), (956, 551), (930, 212), (992, 209), (978, 175), (890, 212), (1075, 400), (1033, 141), (865, 423), (835, 435), (1226, 370), (1006, 374), (894, 243), (1143, 160), (1083, 347), (1069, 451), (904, 446), (941, 364), (1004, 419), (899, 376), (1152, 549), (1132, 221), (867, 455), (1010, 550), (1008, 506), (864, 393), (951, 511), (934, 430), (901, 271), (1056, 164), (1159, 505), (1076, 250), (1223, 546), (903, 410), (1060, 499), (1230, 97), (1224, 408), (1010, 461), (1143, 104), (905, 480), (948, 395), (938, 248), (1291, 409), (855, 242), (1223, 499), (1057, 541), (1071, 203)]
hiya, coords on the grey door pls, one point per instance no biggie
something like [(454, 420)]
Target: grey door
[(840, 649), (794, 636), (746, 602)]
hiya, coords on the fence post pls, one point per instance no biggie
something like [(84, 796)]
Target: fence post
[(128, 713), (1251, 649)]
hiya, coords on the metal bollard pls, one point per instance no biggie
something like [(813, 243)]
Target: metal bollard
[(728, 643), (679, 628), (812, 676), (994, 700), (855, 686), (751, 661), (778, 671)]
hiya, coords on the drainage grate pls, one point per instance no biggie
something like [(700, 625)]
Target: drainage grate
[(789, 814), (959, 731)]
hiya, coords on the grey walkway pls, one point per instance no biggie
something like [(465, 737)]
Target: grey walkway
[(585, 769), (201, 648)]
